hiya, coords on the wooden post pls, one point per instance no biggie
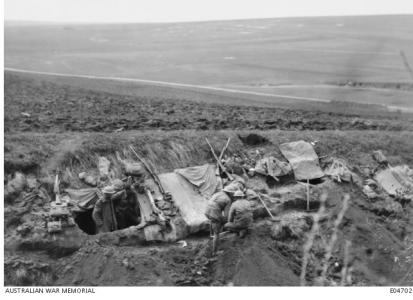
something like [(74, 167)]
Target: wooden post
[(308, 194)]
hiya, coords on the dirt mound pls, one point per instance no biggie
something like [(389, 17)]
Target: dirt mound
[(253, 261)]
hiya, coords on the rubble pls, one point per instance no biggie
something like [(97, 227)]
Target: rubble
[(271, 166), (339, 171)]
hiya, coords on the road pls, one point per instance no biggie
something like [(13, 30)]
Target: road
[(170, 84)]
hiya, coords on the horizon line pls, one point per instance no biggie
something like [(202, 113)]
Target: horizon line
[(50, 22)]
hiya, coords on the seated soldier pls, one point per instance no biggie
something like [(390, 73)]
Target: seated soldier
[(240, 215)]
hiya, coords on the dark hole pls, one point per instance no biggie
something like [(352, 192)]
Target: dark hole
[(127, 214), (314, 181), (85, 222)]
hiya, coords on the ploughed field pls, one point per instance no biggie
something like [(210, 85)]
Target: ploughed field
[(46, 104)]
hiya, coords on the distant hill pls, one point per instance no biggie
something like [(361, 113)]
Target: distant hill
[(258, 55)]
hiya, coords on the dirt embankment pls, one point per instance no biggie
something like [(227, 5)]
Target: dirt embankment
[(42, 106), (271, 255)]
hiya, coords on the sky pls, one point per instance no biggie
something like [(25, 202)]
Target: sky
[(192, 10)]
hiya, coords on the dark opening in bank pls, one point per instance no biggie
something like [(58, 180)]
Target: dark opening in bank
[(127, 214)]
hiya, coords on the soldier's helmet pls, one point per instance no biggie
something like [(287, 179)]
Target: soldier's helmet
[(118, 185), (108, 190), (239, 195), (231, 188)]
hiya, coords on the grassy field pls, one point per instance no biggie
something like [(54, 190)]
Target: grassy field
[(257, 53)]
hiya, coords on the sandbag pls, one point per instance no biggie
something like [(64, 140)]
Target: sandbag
[(17, 184), (133, 168), (103, 166)]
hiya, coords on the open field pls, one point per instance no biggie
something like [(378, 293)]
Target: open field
[(298, 51), (61, 105)]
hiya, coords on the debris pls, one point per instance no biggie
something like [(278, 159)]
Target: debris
[(182, 243), (339, 171), (303, 160), (272, 167), (396, 181), (369, 192), (379, 157), (24, 114)]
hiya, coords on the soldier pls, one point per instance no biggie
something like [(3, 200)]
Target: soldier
[(240, 215), (126, 204), (103, 213), (217, 212)]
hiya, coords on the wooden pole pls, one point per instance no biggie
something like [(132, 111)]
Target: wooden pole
[(308, 194), (224, 149), (266, 208), (218, 161)]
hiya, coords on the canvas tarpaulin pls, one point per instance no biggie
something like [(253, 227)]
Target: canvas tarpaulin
[(303, 160), (396, 181), (84, 198), (202, 177), (190, 202)]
